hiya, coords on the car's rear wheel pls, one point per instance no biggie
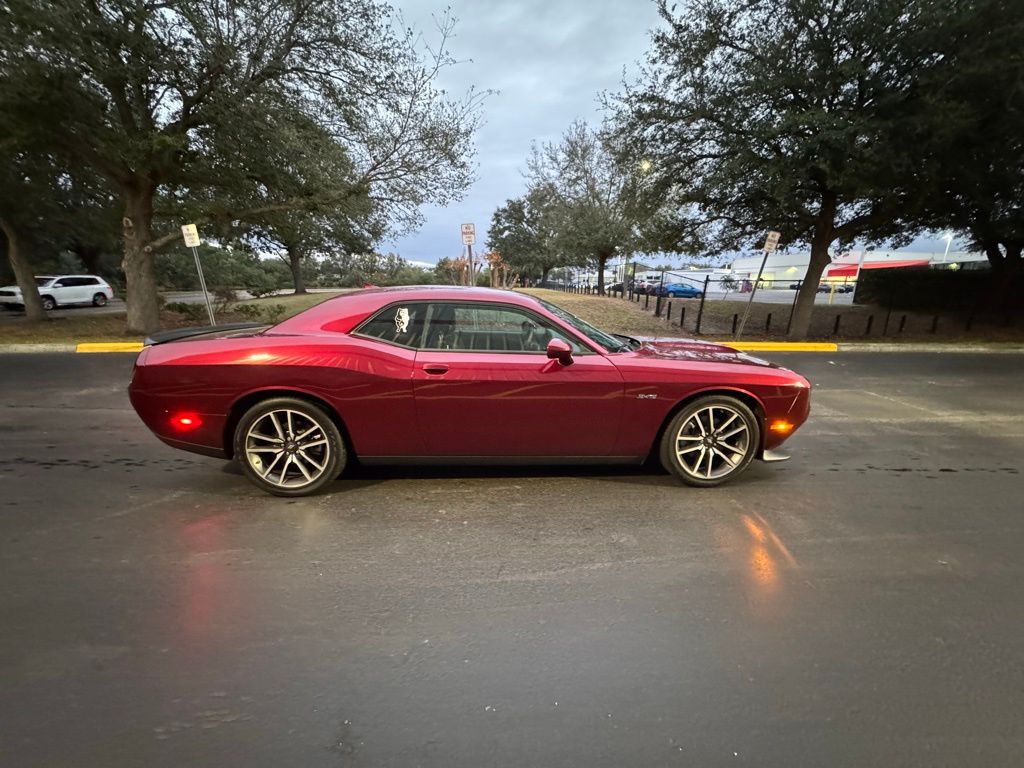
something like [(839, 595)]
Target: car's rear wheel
[(289, 447), (48, 303), (99, 300), (711, 441)]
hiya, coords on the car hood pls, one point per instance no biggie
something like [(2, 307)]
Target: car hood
[(9, 288), (695, 350)]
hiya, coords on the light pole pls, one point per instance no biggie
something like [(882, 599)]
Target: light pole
[(948, 237)]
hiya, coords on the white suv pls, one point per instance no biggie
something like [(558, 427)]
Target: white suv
[(61, 290)]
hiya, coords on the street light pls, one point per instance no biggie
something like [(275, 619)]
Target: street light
[(948, 237)]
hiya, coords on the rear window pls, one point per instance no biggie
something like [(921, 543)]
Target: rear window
[(400, 324)]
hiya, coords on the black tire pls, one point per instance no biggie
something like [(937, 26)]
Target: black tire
[(258, 419), (48, 303), (99, 300), (727, 457)]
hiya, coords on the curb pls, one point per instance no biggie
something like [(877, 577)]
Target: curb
[(109, 346), (781, 346), (16, 349), (979, 347)]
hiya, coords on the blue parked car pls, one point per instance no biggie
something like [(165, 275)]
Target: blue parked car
[(680, 291)]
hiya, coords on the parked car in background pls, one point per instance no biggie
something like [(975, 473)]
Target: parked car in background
[(447, 375), (61, 291), (647, 287), (680, 291)]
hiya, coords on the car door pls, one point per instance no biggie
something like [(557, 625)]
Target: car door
[(63, 291), (87, 288), (484, 387)]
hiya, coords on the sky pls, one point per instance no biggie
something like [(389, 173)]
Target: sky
[(548, 60)]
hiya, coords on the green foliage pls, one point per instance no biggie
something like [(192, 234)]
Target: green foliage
[(524, 232), (586, 199), (195, 313), (224, 269), (349, 270)]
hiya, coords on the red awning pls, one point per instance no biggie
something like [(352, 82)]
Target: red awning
[(850, 270)]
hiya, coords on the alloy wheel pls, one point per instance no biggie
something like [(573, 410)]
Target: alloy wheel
[(713, 442), (287, 448)]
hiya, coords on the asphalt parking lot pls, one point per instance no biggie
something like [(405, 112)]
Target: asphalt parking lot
[(858, 605)]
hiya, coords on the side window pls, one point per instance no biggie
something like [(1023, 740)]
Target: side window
[(488, 328), (89, 281), (400, 324), (65, 283)]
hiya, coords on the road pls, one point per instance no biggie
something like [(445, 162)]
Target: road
[(859, 605)]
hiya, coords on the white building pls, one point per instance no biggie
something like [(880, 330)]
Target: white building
[(781, 269)]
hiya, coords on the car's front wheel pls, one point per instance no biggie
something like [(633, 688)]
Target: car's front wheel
[(48, 303), (289, 447), (711, 440)]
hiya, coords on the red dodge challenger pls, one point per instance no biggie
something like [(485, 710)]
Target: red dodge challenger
[(458, 375)]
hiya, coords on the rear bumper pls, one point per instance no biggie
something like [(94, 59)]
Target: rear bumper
[(156, 412)]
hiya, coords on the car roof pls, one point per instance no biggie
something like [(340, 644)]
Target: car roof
[(348, 310)]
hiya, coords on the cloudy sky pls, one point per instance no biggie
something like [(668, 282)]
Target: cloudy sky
[(548, 60)]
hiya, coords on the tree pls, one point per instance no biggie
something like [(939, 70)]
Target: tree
[(148, 94), (523, 232), (587, 198), (778, 114), (973, 154), (452, 271)]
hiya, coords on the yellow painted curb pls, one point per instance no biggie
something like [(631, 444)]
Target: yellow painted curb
[(109, 346), (782, 346)]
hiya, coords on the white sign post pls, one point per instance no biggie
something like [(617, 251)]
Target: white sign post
[(468, 239), (771, 242), (191, 235)]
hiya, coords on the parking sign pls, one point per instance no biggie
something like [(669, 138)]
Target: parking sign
[(191, 235)]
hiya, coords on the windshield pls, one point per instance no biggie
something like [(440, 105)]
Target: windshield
[(604, 340), (43, 281)]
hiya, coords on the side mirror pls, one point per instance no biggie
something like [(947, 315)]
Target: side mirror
[(559, 349)]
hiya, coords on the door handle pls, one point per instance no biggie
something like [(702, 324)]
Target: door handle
[(435, 368)]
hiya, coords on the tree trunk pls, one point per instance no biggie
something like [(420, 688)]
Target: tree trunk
[(544, 274), (824, 231), (295, 262), (89, 255), (601, 261), (140, 278), (22, 273)]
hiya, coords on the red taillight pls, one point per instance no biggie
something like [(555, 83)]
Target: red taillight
[(183, 422)]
